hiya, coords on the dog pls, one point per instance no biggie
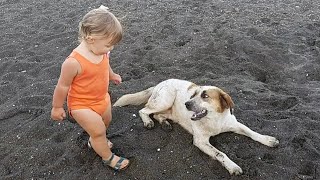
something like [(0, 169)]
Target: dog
[(204, 111)]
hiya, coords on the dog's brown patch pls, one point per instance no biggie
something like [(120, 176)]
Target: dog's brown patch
[(221, 99)]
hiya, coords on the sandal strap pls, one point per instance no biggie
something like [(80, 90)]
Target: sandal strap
[(118, 165), (108, 162)]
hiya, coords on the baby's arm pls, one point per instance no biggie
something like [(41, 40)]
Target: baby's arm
[(69, 70), (116, 78)]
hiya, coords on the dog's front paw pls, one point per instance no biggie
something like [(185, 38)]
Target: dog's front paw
[(271, 141), (232, 167), (235, 170), (149, 124)]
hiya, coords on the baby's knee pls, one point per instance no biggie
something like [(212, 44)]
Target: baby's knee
[(98, 132)]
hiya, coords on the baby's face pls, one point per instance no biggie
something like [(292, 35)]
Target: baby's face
[(100, 45)]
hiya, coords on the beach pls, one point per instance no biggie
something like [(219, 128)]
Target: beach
[(264, 54)]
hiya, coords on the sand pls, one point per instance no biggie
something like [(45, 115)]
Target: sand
[(265, 54)]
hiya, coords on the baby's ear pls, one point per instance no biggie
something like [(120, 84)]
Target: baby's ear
[(89, 39), (103, 7)]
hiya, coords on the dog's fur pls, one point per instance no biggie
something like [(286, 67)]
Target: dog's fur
[(203, 111)]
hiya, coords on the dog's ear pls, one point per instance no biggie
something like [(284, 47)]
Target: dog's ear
[(192, 86), (226, 101), (221, 99), (193, 89)]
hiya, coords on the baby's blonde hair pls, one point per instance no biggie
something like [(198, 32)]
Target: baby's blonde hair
[(100, 22)]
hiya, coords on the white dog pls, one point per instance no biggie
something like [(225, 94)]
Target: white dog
[(203, 111)]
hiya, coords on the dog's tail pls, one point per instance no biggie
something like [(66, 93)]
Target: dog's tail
[(134, 99)]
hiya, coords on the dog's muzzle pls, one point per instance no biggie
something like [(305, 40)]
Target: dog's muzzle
[(198, 112)]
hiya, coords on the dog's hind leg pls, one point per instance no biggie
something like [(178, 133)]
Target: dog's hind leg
[(264, 139), (147, 121), (163, 119), (159, 103)]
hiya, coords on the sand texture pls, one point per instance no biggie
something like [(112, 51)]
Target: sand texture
[(264, 53)]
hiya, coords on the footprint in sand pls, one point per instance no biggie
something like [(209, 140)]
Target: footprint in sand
[(182, 40)]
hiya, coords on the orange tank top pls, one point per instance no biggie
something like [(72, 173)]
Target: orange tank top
[(93, 82)]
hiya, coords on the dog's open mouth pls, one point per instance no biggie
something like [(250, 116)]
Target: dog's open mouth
[(200, 114)]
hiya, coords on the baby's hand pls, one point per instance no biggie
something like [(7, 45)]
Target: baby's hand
[(58, 114), (116, 78)]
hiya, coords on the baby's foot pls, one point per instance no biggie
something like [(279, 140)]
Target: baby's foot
[(116, 162)]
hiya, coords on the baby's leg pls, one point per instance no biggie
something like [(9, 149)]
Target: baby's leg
[(93, 124), (107, 116)]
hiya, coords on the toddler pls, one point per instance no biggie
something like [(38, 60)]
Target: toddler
[(84, 82)]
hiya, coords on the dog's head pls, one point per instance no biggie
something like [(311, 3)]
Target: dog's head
[(208, 99)]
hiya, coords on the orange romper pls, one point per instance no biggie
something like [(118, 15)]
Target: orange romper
[(89, 90)]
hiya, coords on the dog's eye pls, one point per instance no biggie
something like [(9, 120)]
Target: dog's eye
[(204, 94)]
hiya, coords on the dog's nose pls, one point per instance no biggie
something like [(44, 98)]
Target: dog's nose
[(188, 105)]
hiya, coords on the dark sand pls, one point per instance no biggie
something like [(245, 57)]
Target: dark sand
[(264, 53)]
